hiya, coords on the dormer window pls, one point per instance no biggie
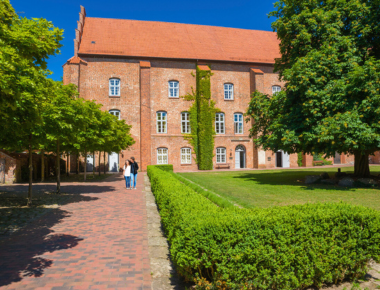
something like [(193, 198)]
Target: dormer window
[(173, 89), (228, 91), (114, 87)]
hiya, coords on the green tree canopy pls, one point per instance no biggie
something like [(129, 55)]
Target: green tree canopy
[(25, 45), (330, 61)]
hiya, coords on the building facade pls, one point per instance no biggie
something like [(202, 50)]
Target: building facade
[(138, 70)]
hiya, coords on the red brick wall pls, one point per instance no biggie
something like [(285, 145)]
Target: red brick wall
[(145, 115), (93, 84), (144, 92)]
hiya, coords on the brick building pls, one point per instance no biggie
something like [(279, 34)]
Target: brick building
[(138, 70)]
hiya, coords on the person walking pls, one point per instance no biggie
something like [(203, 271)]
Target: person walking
[(127, 174), (134, 170)]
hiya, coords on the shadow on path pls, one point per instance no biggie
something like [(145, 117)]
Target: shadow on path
[(22, 253)]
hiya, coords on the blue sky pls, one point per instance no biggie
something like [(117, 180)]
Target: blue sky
[(248, 14)]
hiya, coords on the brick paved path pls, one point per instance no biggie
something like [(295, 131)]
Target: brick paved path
[(98, 240)]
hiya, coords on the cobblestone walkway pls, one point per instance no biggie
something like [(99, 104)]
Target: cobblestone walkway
[(98, 240)]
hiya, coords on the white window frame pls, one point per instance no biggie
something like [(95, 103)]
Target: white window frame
[(162, 119), (115, 113), (114, 88), (220, 122), (276, 89), (238, 123), (173, 89), (221, 155), (228, 91), (164, 154), (185, 123), (185, 155)]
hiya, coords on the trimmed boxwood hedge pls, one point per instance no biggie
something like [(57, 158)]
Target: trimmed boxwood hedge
[(220, 201), (290, 247)]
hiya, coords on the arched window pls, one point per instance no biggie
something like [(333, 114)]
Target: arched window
[(276, 89), (221, 155), (162, 121), (114, 87), (228, 91), (162, 156), (185, 156), (238, 123), (115, 113), (219, 123), (173, 89), (185, 123)]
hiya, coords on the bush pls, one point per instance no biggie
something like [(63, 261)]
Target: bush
[(291, 247)]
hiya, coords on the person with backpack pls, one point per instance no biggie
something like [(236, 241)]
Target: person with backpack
[(134, 170)]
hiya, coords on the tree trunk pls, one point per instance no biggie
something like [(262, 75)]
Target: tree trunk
[(99, 161), (361, 165), (68, 164), (42, 165), (58, 163), (77, 162), (85, 164), (30, 171), (93, 163), (104, 160)]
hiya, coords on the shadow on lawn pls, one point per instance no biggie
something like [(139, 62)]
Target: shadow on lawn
[(292, 178), (21, 253)]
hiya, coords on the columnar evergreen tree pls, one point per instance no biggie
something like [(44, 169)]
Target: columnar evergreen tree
[(330, 61)]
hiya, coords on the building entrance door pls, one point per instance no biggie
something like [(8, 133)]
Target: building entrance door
[(282, 159), (337, 158), (239, 157), (89, 163), (278, 159), (113, 161)]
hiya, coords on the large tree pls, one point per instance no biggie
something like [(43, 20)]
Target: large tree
[(25, 46), (330, 61), (61, 122)]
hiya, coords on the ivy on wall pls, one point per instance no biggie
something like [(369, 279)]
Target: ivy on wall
[(202, 117)]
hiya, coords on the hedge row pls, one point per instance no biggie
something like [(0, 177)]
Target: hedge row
[(220, 201), (277, 248)]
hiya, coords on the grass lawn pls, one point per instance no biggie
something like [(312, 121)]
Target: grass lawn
[(266, 188)]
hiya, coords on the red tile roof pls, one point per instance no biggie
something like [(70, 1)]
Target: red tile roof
[(76, 60), (180, 41), (203, 67)]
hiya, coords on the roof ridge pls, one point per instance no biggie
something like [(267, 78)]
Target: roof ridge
[(180, 23)]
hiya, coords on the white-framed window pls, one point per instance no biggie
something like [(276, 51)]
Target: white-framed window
[(220, 155), (173, 89), (228, 91), (162, 119), (276, 89), (185, 156), (162, 156), (219, 123), (185, 123), (114, 87), (115, 113), (238, 123)]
